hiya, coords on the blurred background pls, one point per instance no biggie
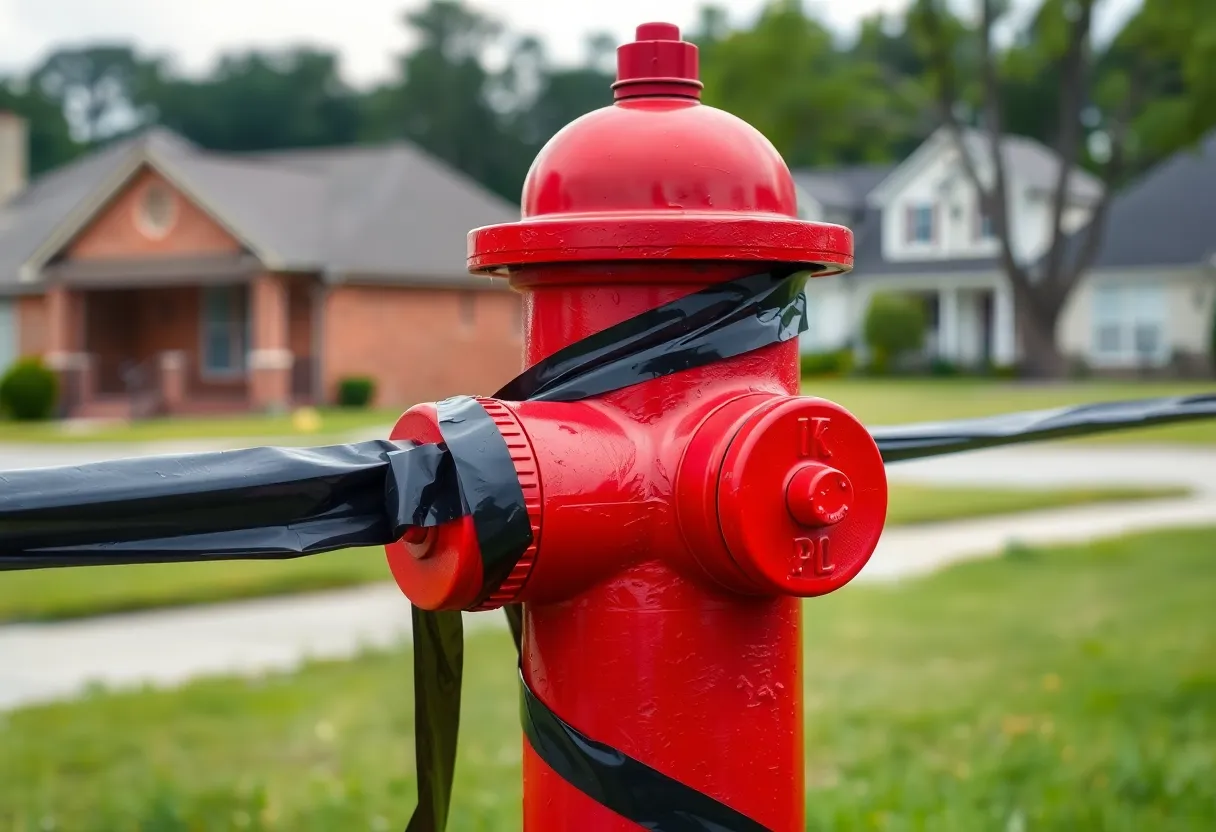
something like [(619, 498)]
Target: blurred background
[(241, 223)]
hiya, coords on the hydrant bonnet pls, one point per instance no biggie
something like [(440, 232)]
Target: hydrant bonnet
[(658, 175)]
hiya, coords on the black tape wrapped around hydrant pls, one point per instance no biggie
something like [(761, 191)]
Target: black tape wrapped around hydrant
[(269, 503)]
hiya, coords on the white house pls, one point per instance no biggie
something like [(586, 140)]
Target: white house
[(919, 229)]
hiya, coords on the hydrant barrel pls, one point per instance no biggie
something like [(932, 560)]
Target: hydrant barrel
[(678, 522)]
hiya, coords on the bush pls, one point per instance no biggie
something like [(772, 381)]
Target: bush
[(1006, 372), (826, 364), (356, 391), (894, 325), (944, 368), (1212, 355), (29, 391)]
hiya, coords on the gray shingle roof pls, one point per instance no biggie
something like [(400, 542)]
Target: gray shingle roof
[(868, 259), (1167, 217), (388, 210), (844, 188)]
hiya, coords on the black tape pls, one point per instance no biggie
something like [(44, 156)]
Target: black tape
[(278, 503), (907, 442), (627, 786), (489, 488), (719, 322), (255, 503)]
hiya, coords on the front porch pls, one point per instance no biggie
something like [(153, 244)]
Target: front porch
[(133, 352)]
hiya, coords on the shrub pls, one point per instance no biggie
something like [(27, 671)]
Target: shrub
[(29, 391), (944, 368), (894, 325), (1212, 355), (1003, 371), (356, 391), (834, 363)]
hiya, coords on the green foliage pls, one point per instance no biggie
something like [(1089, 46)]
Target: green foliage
[(50, 139), (827, 364), (356, 391), (260, 101), (28, 391), (894, 326), (944, 368), (816, 102), (1212, 344)]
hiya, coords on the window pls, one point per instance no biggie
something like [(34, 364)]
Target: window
[(225, 330), (1130, 324), (157, 211), (984, 228), (920, 223)]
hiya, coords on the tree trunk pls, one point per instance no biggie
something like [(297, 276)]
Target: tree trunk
[(1041, 357)]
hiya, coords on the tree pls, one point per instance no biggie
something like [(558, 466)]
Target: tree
[(96, 87), (50, 138), (818, 103), (1061, 35), (259, 101), (442, 98)]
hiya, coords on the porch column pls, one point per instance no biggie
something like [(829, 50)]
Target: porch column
[(948, 326), (1004, 345), (270, 357), (65, 349)]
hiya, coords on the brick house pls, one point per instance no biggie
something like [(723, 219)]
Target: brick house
[(160, 278)]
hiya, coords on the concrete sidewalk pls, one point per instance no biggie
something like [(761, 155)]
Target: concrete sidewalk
[(45, 662)]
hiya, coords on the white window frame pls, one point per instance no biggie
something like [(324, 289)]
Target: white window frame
[(1120, 312), (918, 212), (235, 326)]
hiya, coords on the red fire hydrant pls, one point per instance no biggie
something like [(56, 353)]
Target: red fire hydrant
[(676, 522)]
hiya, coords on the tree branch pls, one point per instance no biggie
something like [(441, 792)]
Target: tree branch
[(1074, 75), (1092, 236)]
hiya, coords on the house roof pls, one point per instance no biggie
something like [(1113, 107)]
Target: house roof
[(1165, 218), (376, 211), (842, 189), (1035, 164), (868, 255)]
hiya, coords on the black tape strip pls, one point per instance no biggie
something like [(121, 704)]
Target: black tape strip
[(489, 488), (254, 503), (721, 321), (438, 675), (907, 442), (627, 786)]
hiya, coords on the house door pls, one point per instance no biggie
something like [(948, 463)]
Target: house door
[(8, 334)]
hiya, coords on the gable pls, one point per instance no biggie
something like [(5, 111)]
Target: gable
[(150, 217)]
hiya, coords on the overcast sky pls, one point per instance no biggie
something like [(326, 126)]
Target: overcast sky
[(367, 33)]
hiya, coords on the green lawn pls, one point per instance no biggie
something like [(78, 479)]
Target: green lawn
[(900, 401), (1071, 689), (281, 427), (77, 592), (876, 401)]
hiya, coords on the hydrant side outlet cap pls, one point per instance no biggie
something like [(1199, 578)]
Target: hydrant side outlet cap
[(659, 176)]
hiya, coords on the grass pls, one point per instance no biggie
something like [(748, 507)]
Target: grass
[(901, 401), (333, 421), (918, 504), (79, 592), (1061, 689), (875, 401)]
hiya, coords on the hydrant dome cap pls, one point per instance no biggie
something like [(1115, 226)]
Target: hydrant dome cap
[(658, 175)]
